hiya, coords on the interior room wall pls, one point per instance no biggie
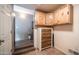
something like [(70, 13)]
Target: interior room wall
[(67, 36), (6, 28)]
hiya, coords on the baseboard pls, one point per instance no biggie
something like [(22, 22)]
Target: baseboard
[(61, 50)]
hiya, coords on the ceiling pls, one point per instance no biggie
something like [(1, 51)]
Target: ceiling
[(41, 7)]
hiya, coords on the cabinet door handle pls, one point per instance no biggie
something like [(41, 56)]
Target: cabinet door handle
[(1, 41), (62, 14), (68, 13)]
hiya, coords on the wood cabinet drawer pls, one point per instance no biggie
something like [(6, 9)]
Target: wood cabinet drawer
[(46, 30), (46, 44), (46, 33), (46, 36), (46, 40)]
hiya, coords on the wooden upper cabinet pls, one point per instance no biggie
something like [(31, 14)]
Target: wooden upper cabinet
[(39, 18), (64, 14), (56, 17), (49, 19)]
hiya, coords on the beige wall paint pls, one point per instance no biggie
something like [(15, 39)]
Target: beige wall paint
[(67, 36)]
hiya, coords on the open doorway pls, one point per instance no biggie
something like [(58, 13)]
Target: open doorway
[(23, 32)]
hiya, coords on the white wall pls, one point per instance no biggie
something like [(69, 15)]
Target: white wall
[(5, 28), (67, 37)]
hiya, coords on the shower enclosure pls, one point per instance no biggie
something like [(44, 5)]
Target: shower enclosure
[(23, 30)]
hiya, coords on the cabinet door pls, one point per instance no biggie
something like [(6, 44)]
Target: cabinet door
[(67, 14), (63, 15), (49, 19), (56, 17), (39, 18), (60, 16)]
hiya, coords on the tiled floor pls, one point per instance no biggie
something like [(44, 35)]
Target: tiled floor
[(50, 51)]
